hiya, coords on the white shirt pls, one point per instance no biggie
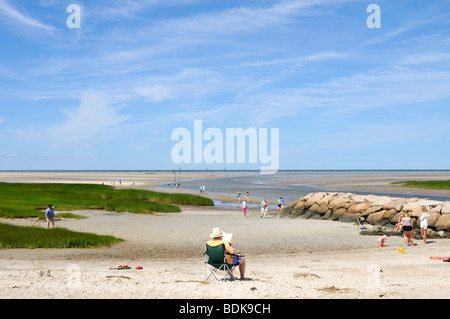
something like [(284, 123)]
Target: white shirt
[(424, 218)]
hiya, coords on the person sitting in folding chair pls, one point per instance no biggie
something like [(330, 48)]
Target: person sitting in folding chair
[(222, 256)]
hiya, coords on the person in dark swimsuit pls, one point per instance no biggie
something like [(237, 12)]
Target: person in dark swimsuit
[(407, 229)]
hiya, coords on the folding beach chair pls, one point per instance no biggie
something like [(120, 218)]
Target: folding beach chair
[(216, 263)]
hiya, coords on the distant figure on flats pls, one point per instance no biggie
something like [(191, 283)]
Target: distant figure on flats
[(50, 215)]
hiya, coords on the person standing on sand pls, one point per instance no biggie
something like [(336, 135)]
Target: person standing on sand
[(50, 215), (238, 197), (424, 223), (244, 209), (279, 204), (247, 196), (360, 222), (407, 229), (264, 208)]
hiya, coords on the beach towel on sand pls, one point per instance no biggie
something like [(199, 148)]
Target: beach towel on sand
[(440, 258), (120, 267)]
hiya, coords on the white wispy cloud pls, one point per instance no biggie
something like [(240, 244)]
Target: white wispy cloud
[(9, 13), (120, 9), (247, 18), (155, 93), (6, 72), (361, 138), (380, 87), (389, 35), (300, 60), (397, 87), (426, 57), (90, 121)]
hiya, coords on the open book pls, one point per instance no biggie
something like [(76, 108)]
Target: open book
[(226, 237)]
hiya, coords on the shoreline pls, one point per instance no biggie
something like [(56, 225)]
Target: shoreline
[(152, 179)]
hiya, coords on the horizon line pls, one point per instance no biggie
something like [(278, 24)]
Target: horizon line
[(213, 170)]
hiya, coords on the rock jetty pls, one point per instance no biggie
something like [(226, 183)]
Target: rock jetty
[(380, 211)]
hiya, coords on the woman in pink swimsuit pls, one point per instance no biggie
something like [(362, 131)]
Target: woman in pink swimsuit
[(244, 209)]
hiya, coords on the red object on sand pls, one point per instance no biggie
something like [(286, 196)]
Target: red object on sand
[(439, 258)]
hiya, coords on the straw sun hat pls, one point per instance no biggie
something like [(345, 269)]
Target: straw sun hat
[(217, 232)]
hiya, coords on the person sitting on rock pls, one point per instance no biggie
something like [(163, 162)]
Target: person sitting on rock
[(399, 225)]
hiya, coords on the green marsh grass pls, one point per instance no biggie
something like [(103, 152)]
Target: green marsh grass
[(19, 200), (32, 237), (70, 215), (426, 184)]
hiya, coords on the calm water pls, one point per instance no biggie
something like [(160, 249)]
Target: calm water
[(264, 186)]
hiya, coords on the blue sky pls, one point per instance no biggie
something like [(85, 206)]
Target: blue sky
[(109, 94)]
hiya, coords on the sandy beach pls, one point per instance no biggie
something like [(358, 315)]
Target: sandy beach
[(286, 258)]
